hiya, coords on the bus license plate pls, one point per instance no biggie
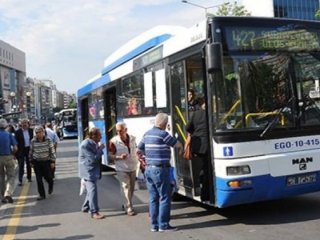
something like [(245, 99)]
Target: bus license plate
[(301, 179)]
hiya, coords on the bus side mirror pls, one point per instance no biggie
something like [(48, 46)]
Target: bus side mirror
[(214, 57)]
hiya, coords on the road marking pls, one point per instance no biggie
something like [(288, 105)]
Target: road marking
[(15, 217)]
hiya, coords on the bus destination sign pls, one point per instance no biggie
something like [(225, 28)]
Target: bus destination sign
[(284, 38), (148, 58)]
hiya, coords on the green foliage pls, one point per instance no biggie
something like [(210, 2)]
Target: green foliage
[(230, 76), (318, 14), (232, 9), (72, 104)]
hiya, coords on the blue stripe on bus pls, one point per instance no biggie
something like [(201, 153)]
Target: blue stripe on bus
[(93, 85), (263, 188), (105, 78), (135, 52)]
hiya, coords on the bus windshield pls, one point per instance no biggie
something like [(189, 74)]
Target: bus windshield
[(270, 76), (68, 117), (67, 123)]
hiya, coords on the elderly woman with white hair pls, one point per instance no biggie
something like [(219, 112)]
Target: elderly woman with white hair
[(42, 155)]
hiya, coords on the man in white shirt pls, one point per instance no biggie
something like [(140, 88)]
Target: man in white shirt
[(52, 135), (122, 149)]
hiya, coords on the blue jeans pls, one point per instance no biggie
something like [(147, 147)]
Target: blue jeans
[(91, 201), (159, 188)]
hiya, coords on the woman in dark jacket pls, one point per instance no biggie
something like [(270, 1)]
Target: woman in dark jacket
[(198, 128)]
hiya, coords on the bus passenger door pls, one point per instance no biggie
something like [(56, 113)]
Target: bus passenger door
[(83, 116), (188, 76), (178, 113), (110, 115)]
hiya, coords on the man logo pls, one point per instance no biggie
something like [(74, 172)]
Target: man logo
[(302, 166), (302, 162)]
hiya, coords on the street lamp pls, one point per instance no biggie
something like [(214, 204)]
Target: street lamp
[(12, 96), (28, 95), (203, 7)]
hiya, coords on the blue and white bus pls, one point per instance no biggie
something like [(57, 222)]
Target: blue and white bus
[(260, 77), (67, 123)]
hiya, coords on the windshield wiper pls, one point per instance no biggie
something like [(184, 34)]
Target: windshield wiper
[(276, 117)]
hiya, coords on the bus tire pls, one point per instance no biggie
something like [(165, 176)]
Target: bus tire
[(105, 168)]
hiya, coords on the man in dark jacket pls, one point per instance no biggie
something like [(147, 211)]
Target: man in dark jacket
[(23, 136)]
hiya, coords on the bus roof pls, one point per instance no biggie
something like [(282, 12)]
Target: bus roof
[(173, 39), (99, 81), (131, 49), (68, 110), (140, 44), (143, 43)]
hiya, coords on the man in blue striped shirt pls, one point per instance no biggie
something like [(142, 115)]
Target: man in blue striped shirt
[(155, 145)]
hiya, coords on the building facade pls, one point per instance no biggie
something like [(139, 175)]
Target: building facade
[(301, 9), (42, 100), (30, 110), (12, 77), (22, 97)]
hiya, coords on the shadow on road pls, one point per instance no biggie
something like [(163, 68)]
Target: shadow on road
[(292, 210)]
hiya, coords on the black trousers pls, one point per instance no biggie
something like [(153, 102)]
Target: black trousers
[(24, 160), (202, 175), (42, 170)]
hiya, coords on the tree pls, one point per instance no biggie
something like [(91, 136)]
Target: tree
[(72, 104), (234, 9), (318, 14)]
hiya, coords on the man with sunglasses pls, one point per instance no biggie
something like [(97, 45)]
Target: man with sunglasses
[(122, 149)]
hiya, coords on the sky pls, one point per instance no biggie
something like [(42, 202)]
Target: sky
[(67, 41)]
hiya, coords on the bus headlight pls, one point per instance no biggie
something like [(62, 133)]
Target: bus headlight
[(238, 170)]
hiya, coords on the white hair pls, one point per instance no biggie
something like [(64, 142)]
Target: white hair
[(38, 127), (121, 124), (161, 119), (3, 123)]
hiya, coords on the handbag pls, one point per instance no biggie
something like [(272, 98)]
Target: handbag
[(187, 155)]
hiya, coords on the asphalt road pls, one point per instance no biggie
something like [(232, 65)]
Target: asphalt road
[(59, 216)]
